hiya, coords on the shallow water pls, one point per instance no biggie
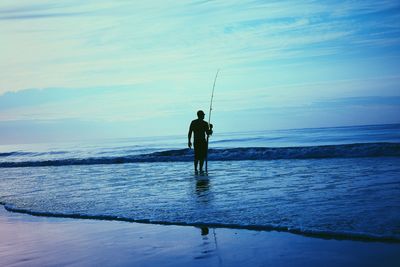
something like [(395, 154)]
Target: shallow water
[(340, 182), (341, 197)]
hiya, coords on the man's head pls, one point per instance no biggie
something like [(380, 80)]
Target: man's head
[(200, 114)]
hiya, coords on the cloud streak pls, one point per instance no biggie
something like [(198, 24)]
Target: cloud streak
[(141, 38)]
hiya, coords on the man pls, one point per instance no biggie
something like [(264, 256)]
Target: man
[(200, 129)]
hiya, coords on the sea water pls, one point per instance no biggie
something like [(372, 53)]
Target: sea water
[(341, 182)]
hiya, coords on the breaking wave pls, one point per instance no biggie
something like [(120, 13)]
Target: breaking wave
[(357, 150)]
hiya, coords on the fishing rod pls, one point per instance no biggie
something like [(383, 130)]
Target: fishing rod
[(209, 116)]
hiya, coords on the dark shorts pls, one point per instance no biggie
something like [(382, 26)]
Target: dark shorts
[(200, 150)]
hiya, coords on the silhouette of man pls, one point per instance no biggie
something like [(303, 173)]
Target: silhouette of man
[(200, 128)]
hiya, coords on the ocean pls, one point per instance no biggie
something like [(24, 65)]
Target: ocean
[(338, 182)]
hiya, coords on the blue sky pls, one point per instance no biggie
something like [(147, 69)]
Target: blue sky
[(75, 70)]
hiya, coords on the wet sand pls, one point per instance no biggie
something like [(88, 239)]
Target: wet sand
[(27, 240)]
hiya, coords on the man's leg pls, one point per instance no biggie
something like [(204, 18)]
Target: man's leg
[(201, 165), (203, 155), (196, 162)]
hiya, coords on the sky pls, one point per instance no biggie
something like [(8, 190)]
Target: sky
[(79, 70)]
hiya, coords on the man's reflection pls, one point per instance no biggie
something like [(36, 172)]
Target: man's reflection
[(202, 186), (204, 230), (204, 197), (203, 191)]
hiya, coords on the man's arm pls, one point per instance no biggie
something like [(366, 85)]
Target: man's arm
[(190, 135), (209, 130)]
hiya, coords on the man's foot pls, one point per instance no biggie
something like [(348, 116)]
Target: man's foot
[(196, 172)]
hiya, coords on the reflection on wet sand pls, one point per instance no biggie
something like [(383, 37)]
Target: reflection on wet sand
[(209, 247)]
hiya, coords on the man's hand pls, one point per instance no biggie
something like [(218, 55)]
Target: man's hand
[(190, 144)]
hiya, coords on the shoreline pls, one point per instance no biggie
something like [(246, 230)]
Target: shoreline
[(320, 235), (28, 240)]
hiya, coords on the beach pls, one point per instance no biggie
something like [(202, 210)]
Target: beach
[(41, 241)]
